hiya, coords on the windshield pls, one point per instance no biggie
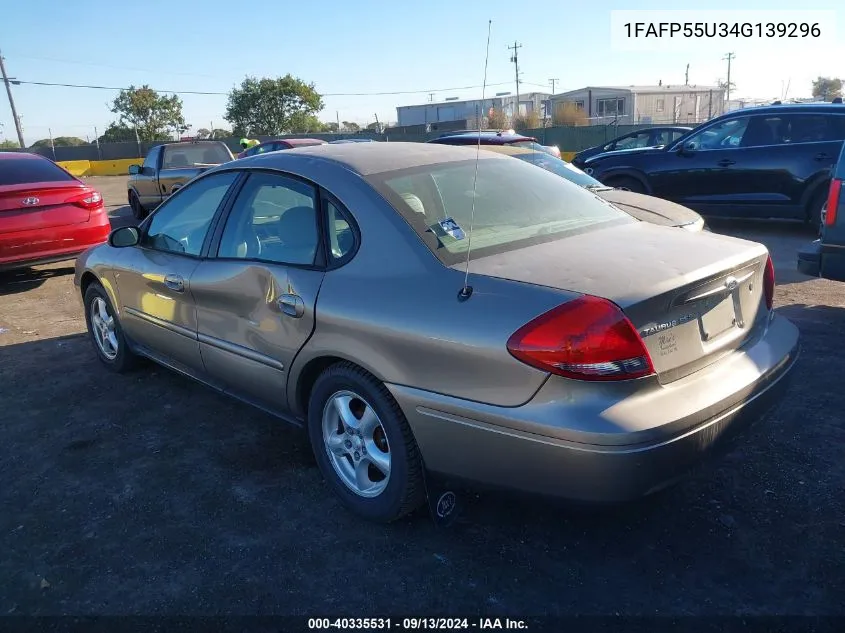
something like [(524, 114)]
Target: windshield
[(561, 168), (194, 155), (516, 205)]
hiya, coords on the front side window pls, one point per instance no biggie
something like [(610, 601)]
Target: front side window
[(273, 219), (181, 223), (516, 205), (723, 135), (151, 161)]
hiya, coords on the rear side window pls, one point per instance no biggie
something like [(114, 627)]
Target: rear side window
[(21, 171)]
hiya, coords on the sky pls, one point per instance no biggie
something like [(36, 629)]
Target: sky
[(369, 46)]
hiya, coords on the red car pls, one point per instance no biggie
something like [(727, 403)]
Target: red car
[(281, 143), (46, 215)]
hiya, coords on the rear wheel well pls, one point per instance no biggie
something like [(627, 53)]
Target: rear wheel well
[(815, 201), (308, 376)]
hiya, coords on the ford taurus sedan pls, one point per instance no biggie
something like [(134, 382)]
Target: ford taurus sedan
[(422, 309)]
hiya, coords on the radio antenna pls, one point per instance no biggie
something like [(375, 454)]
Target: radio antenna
[(466, 291)]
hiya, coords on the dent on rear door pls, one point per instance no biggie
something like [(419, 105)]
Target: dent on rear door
[(253, 318)]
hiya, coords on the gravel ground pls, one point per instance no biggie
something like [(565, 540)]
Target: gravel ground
[(149, 494)]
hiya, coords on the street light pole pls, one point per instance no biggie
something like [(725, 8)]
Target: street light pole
[(12, 102)]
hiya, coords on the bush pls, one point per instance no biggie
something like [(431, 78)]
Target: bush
[(497, 120), (528, 121), (569, 114)]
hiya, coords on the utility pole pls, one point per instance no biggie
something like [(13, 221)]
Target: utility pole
[(515, 59), (553, 82), (430, 97), (729, 57), (686, 76), (12, 103)]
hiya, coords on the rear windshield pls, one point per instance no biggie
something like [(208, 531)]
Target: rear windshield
[(199, 155), (516, 205), (561, 168), (21, 171)]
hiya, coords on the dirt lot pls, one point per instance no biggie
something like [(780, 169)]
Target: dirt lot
[(149, 494)]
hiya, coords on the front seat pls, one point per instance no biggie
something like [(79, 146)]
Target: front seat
[(297, 230)]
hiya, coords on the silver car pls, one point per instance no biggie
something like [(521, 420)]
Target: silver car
[(584, 354)]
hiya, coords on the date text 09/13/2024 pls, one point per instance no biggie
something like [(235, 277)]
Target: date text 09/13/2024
[(416, 624)]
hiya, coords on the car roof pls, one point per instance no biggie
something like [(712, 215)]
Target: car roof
[(367, 159), (298, 141), (511, 150), (832, 108)]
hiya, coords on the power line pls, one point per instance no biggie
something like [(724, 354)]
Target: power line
[(324, 94)]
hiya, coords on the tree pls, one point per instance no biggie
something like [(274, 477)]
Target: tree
[(60, 141), (569, 114), (497, 120), (269, 107), (7, 144), (827, 88), (155, 116), (527, 121), (331, 126), (351, 126), (305, 124), (203, 133), (117, 133)]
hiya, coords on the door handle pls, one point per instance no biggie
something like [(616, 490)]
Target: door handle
[(174, 282), (821, 156), (292, 305), (726, 162)]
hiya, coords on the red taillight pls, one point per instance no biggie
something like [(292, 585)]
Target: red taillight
[(769, 283), (588, 338), (88, 200), (833, 201)]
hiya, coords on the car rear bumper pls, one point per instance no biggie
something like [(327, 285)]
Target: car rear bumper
[(809, 259), (628, 449), (53, 244)]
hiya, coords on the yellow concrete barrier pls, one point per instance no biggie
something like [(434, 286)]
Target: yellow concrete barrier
[(113, 167), (81, 168), (76, 167)]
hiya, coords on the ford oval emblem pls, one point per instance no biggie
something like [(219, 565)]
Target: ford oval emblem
[(31, 201)]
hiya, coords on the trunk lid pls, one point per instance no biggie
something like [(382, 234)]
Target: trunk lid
[(693, 297), (41, 205)]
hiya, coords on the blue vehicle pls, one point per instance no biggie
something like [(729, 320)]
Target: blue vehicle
[(825, 257)]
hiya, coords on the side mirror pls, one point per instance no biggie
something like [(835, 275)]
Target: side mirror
[(134, 170), (124, 236), (687, 148)]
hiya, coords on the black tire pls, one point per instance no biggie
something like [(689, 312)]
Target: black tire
[(814, 209), (137, 210), (627, 183), (124, 360), (405, 490)]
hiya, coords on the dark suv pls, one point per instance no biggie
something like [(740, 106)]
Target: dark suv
[(766, 162)]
